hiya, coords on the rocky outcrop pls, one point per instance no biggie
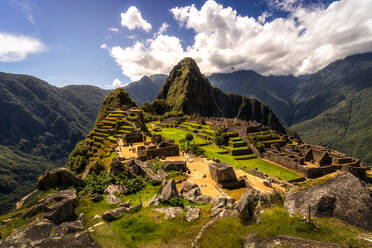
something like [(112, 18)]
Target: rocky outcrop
[(170, 212), (254, 240), (96, 197), (60, 177), (43, 233), (192, 213), (169, 190), (250, 204), (175, 165), (139, 168), (342, 196), (119, 189), (221, 204), (190, 191), (58, 207), (114, 213), (112, 199), (224, 174)]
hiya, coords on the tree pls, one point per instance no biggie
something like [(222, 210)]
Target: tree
[(189, 137), (221, 138)]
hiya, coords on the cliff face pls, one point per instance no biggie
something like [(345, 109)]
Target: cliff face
[(189, 91)]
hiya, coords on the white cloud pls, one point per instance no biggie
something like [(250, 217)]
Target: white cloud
[(163, 28), (262, 18), (116, 83), (113, 29), (132, 19), (104, 46), (17, 47), (26, 7), (307, 40)]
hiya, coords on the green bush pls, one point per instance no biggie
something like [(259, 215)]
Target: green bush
[(176, 201), (78, 159), (98, 183), (195, 149), (134, 185), (189, 137), (221, 138), (260, 146), (155, 165)]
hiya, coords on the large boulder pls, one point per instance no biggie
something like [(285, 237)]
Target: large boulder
[(112, 199), (119, 189), (58, 207), (114, 213), (175, 165), (190, 191), (249, 204), (224, 174), (60, 177), (192, 213), (169, 190), (139, 168), (43, 233), (254, 240), (342, 196), (170, 212)]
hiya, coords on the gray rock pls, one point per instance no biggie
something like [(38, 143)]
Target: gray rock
[(139, 168), (342, 197), (96, 197), (60, 177), (119, 189), (192, 194), (68, 228), (169, 190), (267, 183), (224, 174), (187, 186), (114, 213), (192, 213), (155, 200), (111, 199), (254, 240), (81, 218), (162, 174), (170, 212), (175, 165), (249, 204), (58, 207), (203, 199), (135, 208), (125, 204)]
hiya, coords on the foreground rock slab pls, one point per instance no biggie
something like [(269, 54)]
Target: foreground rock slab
[(192, 213), (60, 177), (342, 196), (170, 213), (254, 240), (169, 190)]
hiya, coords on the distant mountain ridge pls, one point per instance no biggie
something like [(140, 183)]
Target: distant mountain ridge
[(39, 126), (146, 89)]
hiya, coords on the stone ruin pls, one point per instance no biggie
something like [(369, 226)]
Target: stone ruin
[(224, 175), (157, 149)]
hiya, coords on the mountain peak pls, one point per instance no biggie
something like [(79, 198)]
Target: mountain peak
[(116, 99)]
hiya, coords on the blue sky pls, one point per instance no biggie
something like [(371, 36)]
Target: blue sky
[(70, 42)]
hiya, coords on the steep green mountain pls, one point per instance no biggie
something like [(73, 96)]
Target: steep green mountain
[(40, 125), (274, 91), (146, 89), (334, 107), (189, 91)]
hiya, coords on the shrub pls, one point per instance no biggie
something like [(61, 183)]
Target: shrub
[(98, 183), (195, 149), (134, 185), (176, 201), (77, 160), (156, 165), (189, 137), (221, 138), (260, 146)]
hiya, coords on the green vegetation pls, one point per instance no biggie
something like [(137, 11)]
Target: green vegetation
[(98, 183), (177, 135), (78, 159), (116, 99), (221, 138), (276, 221)]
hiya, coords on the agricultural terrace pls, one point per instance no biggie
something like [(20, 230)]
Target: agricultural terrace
[(237, 153)]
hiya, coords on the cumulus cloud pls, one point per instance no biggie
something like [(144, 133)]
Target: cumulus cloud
[(113, 29), (163, 28), (116, 83), (15, 48), (305, 41), (132, 19)]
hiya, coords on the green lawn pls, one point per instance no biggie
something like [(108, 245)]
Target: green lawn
[(276, 221), (178, 134), (265, 167), (211, 151)]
